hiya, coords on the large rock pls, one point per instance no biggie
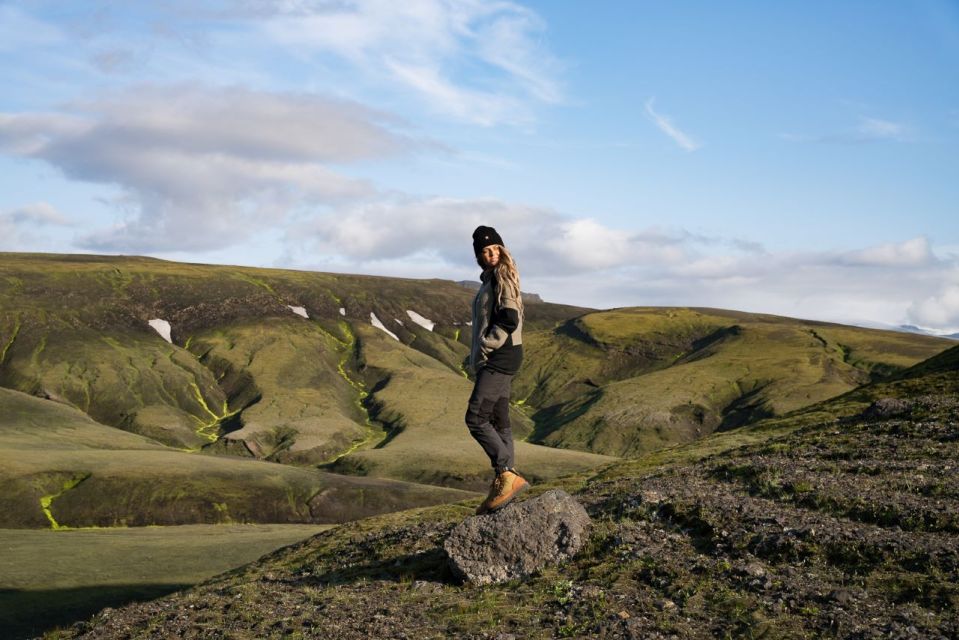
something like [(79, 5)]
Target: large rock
[(518, 539)]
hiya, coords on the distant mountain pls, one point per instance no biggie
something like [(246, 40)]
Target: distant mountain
[(911, 328)]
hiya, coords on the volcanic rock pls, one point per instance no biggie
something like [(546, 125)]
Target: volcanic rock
[(517, 540)]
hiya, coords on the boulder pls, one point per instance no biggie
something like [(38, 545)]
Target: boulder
[(888, 408), (517, 540)]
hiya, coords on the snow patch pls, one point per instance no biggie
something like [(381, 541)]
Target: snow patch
[(379, 325), (342, 311), (300, 311), (420, 320), (398, 321), (162, 327)]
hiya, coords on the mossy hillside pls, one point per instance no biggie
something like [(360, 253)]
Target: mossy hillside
[(423, 405), (90, 488), (937, 377), (302, 407), (811, 529), (630, 381), (111, 289), (50, 578), (59, 468), (28, 422), (133, 381), (75, 328)]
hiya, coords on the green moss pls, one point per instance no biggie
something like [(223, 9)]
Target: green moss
[(46, 502)]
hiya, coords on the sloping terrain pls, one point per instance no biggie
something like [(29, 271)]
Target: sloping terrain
[(76, 329), (288, 367), (835, 521), (244, 375), (629, 381), (423, 404), (60, 469), (260, 362)]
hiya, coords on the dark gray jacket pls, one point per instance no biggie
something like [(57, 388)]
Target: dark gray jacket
[(497, 329)]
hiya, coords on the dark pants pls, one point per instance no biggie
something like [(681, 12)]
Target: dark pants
[(487, 417)]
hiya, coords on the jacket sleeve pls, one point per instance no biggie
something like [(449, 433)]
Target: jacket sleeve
[(504, 321)]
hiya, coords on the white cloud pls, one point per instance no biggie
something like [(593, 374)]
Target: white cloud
[(938, 311), (545, 241), (204, 168), (910, 253), (582, 261), (19, 227), (426, 46), (665, 124), (38, 213), (475, 106)]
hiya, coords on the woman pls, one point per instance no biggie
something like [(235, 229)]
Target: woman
[(495, 357)]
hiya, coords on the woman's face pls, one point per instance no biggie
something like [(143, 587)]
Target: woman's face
[(490, 256)]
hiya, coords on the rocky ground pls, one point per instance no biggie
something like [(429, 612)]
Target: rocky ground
[(843, 529)]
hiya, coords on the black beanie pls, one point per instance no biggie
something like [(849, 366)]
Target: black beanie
[(484, 237)]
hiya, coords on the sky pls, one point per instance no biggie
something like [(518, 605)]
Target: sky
[(796, 158)]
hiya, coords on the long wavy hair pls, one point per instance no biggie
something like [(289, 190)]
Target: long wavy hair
[(507, 277)]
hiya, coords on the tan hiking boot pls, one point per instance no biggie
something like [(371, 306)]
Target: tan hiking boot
[(493, 490), (504, 489)]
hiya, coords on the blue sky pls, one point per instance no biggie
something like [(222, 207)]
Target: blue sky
[(792, 157)]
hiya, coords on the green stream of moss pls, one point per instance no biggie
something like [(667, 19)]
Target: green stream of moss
[(6, 347), (372, 431), (47, 501)]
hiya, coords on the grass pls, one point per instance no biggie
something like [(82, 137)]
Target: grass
[(48, 578)]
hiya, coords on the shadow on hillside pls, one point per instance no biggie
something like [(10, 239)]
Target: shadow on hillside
[(27, 614), (554, 417), (426, 566)]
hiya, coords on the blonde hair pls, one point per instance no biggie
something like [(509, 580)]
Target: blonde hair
[(507, 276)]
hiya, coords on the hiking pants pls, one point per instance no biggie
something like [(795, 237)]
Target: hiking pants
[(487, 417)]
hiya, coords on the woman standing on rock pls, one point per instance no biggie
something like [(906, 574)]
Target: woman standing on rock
[(495, 357)]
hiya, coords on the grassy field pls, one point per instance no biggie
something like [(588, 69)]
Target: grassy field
[(49, 578)]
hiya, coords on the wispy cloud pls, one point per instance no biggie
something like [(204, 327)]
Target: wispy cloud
[(878, 129), (916, 252), (665, 124), (429, 46), (868, 129), (19, 31), (37, 213), (21, 228)]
